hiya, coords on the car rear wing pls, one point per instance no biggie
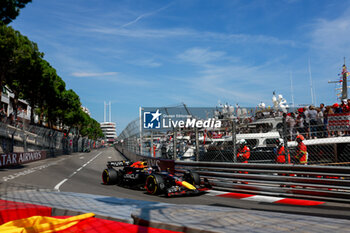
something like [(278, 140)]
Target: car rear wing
[(118, 163)]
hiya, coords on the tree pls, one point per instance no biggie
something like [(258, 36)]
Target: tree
[(50, 91), (30, 77), (91, 128), (70, 109), (9, 9), (32, 86), (53, 99), (8, 45), (19, 69)]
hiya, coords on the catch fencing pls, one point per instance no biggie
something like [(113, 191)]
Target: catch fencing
[(327, 138)]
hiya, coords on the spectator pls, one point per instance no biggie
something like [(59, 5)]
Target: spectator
[(290, 120), (281, 154), (301, 155), (344, 106), (12, 118), (2, 115), (243, 154), (322, 107), (337, 108), (300, 124), (327, 112), (313, 122), (320, 123), (307, 122)]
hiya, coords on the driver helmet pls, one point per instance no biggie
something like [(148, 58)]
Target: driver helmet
[(139, 164)]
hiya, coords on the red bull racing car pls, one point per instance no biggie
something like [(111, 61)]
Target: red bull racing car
[(139, 175)]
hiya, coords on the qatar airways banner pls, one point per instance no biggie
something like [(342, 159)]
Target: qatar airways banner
[(21, 158)]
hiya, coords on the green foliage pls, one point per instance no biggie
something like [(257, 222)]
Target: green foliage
[(9, 9), (91, 128), (30, 77), (17, 62)]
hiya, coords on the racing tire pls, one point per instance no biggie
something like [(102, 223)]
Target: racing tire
[(193, 178), (154, 183), (109, 176), (119, 180)]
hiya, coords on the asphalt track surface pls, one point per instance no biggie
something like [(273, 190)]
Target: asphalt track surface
[(81, 173)]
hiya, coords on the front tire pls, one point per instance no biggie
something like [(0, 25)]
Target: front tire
[(154, 182), (192, 178), (109, 176)]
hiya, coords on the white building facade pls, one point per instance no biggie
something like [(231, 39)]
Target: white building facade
[(109, 130)]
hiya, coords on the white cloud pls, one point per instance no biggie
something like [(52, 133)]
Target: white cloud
[(201, 56), (168, 33), (141, 33), (87, 74), (145, 15), (259, 39), (331, 36), (148, 63), (241, 83)]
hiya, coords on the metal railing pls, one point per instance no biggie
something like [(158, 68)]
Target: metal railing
[(326, 183), (31, 137), (212, 152)]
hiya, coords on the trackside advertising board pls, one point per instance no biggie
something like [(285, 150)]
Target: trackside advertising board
[(21, 158)]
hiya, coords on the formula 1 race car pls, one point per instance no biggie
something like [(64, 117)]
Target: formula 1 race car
[(171, 185), (138, 175), (132, 174)]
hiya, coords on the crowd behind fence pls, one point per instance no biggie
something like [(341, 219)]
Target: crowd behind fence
[(327, 137)]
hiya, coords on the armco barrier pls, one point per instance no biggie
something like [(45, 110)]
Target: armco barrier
[(327, 183)]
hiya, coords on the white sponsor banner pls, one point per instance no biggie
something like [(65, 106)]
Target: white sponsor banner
[(17, 158)]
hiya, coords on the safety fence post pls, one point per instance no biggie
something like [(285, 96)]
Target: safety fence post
[(174, 146), (234, 140), (285, 137), (197, 144)]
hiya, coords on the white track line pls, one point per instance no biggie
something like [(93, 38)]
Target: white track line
[(57, 187), (31, 170)]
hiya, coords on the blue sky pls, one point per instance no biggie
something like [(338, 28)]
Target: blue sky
[(162, 53)]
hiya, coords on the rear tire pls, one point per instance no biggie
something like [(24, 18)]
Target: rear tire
[(119, 180), (109, 176), (154, 183)]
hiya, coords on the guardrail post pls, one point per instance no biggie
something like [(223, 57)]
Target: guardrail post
[(12, 142), (152, 149), (197, 145), (174, 146), (234, 140), (285, 139)]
